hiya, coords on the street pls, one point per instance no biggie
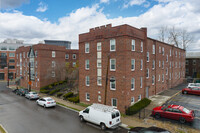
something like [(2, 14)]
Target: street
[(20, 115)]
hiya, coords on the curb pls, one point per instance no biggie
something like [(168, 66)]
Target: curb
[(173, 96), (3, 129), (124, 126)]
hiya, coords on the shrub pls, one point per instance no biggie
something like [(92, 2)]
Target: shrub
[(56, 83), (50, 87), (44, 91), (61, 82), (59, 94), (138, 106), (67, 95), (74, 99), (44, 88), (54, 91)]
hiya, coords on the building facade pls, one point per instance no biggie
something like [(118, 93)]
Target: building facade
[(67, 44), (134, 65), (8, 58), (47, 65), (192, 65)]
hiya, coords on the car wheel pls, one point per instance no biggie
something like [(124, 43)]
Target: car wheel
[(157, 115), (103, 126), (81, 118), (185, 92), (44, 105), (20, 94), (182, 120)]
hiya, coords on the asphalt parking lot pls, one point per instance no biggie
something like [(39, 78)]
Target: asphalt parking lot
[(191, 102)]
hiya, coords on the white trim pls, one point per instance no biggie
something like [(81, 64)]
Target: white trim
[(111, 65), (132, 64), (132, 45), (114, 45)]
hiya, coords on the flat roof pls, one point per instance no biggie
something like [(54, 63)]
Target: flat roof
[(192, 55)]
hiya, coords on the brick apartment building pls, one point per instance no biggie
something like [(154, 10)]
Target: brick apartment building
[(137, 66), (192, 65), (7, 58), (47, 64)]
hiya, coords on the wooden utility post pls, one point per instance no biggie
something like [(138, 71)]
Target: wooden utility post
[(106, 79)]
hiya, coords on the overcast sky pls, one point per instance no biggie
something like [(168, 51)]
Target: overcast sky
[(37, 20)]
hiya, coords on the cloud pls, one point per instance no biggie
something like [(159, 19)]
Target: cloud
[(5, 4), (181, 14), (133, 2), (42, 7), (104, 1)]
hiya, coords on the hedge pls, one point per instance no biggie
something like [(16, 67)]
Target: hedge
[(44, 88), (138, 106), (44, 91), (54, 91), (67, 95), (74, 99), (59, 94)]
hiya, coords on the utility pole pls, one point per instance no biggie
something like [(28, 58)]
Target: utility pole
[(8, 75), (29, 76), (106, 79)]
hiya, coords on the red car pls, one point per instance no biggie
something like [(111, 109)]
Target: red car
[(175, 112), (192, 90)]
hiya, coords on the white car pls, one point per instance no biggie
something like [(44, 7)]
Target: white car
[(103, 115), (46, 102), (192, 85), (32, 95)]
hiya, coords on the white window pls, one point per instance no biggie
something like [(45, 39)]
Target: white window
[(153, 80), (159, 49), (53, 74), (133, 45), (176, 65), (98, 63), (179, 55), (36, 53), (112, 64), (141, 82), (169, 76), (163, 64), (11, 54), (114, 102), (141, 46), (132, 84), (194, 62), (24, 54), (153, 49), (99, 46), (87, 97), (53, 54), (66, 56), (162, 77), (73, 64), (27, 54), (132, 100), (170, 52), (132, 64), (87, 81), (74, 56), (153, 64), (159, 77), (176, 53), (163, 50), (147, 74), (167, 59), (87, 47), (17, 56), (112, 45), (87, 64), (112, 83), (99, 81), (99, 72), (147, 56), (141, 64), (170, 64), (139, 97), (166, 71), (159, 63), (53, 64), (99, 98)]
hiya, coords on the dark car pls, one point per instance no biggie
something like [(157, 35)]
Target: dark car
[(21, 92), (191, 90), (148, 130)]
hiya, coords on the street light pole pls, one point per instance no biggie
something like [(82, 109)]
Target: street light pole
[(8, 75)]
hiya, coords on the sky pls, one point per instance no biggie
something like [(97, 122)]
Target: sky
[(38, 20)]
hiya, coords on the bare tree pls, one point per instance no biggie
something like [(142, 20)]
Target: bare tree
[(174, 36), (163, 33), (186, 39)]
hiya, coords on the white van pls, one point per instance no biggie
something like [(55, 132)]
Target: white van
[(103, 115)]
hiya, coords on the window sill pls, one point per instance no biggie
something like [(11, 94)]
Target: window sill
[(87, 100), (112, 89)]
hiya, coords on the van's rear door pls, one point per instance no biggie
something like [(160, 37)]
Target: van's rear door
[(115, 118)]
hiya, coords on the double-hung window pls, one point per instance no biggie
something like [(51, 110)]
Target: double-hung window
[(132, 64), (133, 45), (87, 64), (112, 64), (87, 47), (87, 81), (132, 84), (112, 45)]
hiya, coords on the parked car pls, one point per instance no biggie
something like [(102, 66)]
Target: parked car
[(46, 102), (193, 90), (21, 92), (175, 112), (32, 95), (148, 130), (191, 85), (103, 115)]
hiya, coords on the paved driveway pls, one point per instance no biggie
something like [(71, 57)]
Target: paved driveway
[(20, 115)]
